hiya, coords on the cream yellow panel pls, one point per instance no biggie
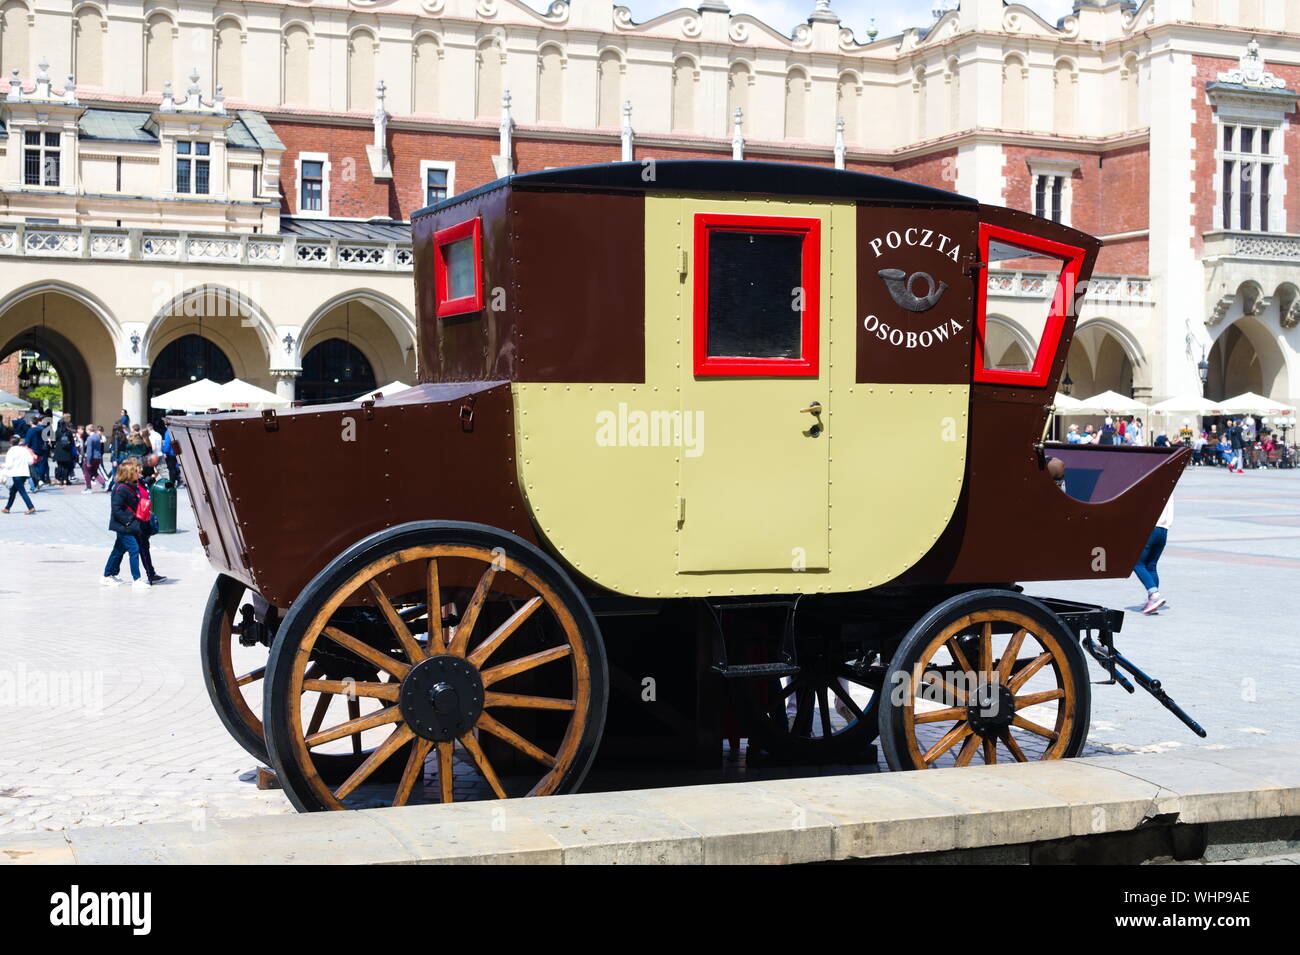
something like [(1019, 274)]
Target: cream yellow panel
[(601, 465)]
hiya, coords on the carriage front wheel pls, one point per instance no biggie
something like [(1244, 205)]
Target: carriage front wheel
[(991, 674), (461, 663)]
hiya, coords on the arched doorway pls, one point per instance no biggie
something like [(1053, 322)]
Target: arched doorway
[(44, 346), (1246, 357), (334, 370), (187, 359), (1099, 360)]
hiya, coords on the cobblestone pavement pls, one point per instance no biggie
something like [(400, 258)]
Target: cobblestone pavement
[(104, 718)]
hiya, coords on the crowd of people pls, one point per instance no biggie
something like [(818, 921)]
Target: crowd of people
[(122, 462), (1241, 443)]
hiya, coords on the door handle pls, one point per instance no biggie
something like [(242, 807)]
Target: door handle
[(813, 409)]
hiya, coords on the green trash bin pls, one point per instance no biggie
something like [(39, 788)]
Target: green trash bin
[(162, 495)]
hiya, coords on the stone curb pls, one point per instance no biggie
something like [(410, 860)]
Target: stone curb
[(817, 819)]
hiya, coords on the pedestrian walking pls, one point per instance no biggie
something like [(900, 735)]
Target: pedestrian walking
[(1146, 566), (65, 447), (124, 521), (92, 456), (17, 468), (35, 440)]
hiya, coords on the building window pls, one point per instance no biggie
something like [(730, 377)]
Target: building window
[(1049, 192), (193, 167), (1052, 180), (757, 295), (1246, 177), (40, 158), (438, 180), (458, 268), (313, 184)]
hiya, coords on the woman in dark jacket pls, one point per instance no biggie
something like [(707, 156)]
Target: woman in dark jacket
[(65, 453), (132, 533)]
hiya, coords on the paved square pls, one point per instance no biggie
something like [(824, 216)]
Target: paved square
[(104, 718)]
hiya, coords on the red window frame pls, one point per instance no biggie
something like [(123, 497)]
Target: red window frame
[(807, 364), (1062, 302), (470, 228)]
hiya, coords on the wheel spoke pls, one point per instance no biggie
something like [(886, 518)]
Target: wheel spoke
[(390, 665), (499, 635), (1012, 745), (475, 750), (318, 714), (519, 701), (506, 734), (958, 655), (967, 751), (790, 687), (949, 740), (1008, 659), (378, 691), (940, 716), (1022, 675), (413, 773), (500, 672), (390, 714), (823, 704), (990, 751), (445, 771), (465, 626), (252, 676), (847, 698), (433, 597), (1033, 727), (1033, 699), (396, 739), (934, 679), (803, 713), (411, 646), (986, 651)]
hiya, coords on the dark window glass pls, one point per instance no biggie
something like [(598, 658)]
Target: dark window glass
[(1040, 196), (52, 140), (1247, 194), (31, 138), (32, 167), (201, 149), (51, 167), (201, 177), (1227, 195), (182, 175), (1058, 187), (1265, 140), (459, 257), (1247, 139), (1264, 170), (312, 192), (1227, 138), (754, 278), (182, 148), (436, 186)]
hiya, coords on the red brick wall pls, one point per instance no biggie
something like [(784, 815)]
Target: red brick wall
[(1110, 194), (355, 194), (9, 374), (1206, 69)]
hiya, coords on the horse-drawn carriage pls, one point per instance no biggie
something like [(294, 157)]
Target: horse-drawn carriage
[(739, 416)]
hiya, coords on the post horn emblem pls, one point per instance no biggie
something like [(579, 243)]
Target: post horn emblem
[(900, 286)]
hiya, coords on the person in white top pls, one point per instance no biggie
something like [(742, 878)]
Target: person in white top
[(18, 469), (1146, 565), (155, 439)]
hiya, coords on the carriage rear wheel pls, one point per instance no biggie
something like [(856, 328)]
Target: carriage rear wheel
[(463, 664), (233, 673), (989, 674)]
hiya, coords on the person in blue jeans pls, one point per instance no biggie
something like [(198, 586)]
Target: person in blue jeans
[(17, 467), (1146, 565), (123, 522)]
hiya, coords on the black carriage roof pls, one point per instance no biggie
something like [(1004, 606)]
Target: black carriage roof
[(719, 175)]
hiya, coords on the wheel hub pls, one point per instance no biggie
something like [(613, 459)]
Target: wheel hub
[(990, 709), (441, 698)]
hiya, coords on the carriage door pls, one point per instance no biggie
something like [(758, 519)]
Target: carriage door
[(754, 493)]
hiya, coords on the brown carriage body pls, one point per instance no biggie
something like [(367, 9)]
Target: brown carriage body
[(563, 279)]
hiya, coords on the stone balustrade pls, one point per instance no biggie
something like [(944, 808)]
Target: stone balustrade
[(160, 245), (1021, 283)]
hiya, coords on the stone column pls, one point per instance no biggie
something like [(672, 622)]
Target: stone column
[(134, 379), (286, 380)]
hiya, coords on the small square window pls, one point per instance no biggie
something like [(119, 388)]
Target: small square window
[(757, 281), (182, 147), (458, 269), (201, 149), (435, 186)]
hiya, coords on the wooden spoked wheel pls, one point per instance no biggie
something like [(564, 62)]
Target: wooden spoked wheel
[(232, 672), (486, 679), (986, 677)]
